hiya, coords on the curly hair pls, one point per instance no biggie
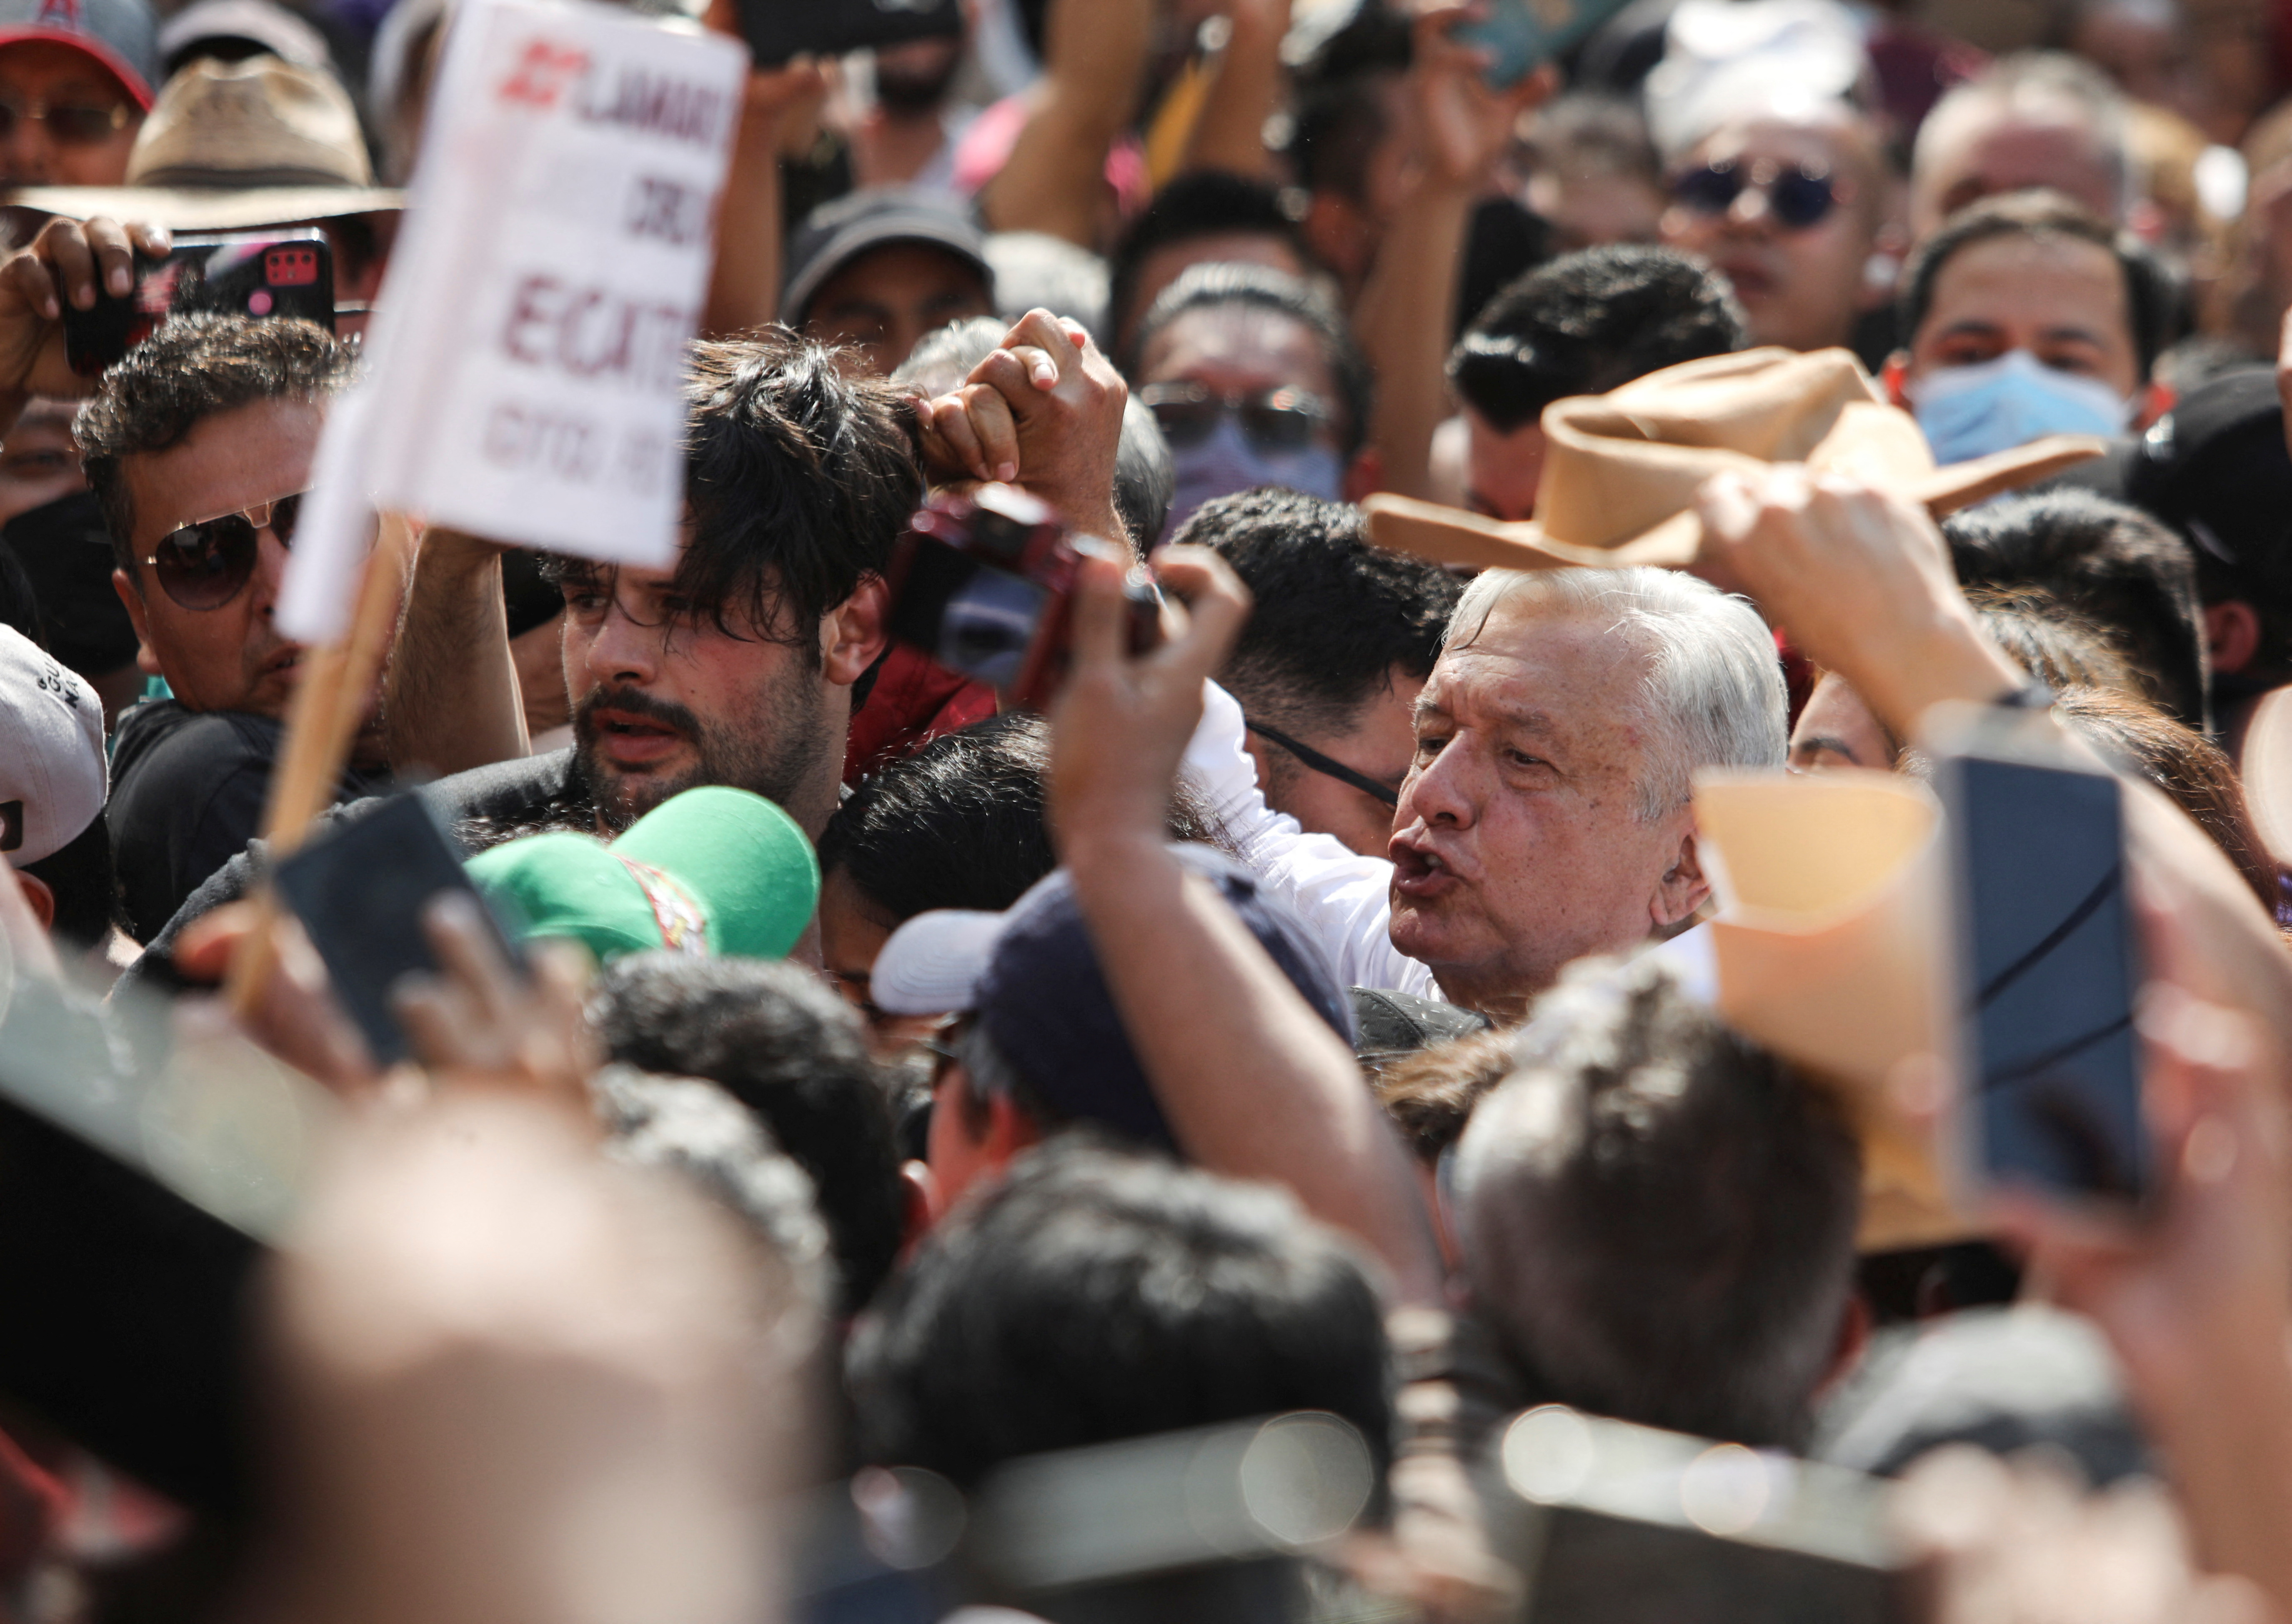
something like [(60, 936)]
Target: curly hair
[(193, 368)]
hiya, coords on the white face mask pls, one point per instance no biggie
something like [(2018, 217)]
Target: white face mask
[(1993, 405)]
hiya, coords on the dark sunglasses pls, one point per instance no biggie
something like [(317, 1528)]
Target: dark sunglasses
[(204, 564), (1274, 419), (1327, 766), (75, 124), (1798, 198)]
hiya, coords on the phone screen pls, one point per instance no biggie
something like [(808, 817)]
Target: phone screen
[(2048, 977), (967, 614), (360, 891)]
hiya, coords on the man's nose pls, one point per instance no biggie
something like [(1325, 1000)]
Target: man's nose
[(270, 570), (623, 650), (1752, 209), (1444, 790)]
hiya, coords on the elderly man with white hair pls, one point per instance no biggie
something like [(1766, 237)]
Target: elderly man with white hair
[(1548, 813)]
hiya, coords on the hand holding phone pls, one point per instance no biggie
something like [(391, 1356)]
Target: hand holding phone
[(362, 891), (2047, 968), (67, 268), (259, 274)]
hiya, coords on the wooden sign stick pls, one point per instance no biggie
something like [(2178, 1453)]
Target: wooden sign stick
[(321, 724)]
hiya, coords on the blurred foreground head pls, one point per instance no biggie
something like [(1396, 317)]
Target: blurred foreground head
[(1092, 1297), (1658, 1219), (516, 1378)]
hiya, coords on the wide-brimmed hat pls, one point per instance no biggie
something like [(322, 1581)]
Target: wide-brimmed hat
[(233, 145), (1621, 470)]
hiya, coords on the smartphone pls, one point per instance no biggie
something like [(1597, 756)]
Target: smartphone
[(1523, 35), (778, 30), (2047, 969), (359, 890), (1611, 1523), (245, 273), (982, 583)]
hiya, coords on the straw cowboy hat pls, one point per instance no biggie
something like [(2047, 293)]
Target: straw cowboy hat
[(1621, 470), (230, 146)]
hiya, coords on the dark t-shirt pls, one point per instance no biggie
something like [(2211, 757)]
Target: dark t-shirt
[(482, 808), (187, 793)]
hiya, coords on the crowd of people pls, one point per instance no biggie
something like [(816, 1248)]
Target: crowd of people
[(1250, 1127)]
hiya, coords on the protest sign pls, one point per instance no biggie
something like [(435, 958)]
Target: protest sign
[(527, 355)]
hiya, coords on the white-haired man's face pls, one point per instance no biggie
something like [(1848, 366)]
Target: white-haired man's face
[(1520, 844)]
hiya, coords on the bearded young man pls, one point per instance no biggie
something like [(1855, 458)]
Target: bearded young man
[(734, 666)]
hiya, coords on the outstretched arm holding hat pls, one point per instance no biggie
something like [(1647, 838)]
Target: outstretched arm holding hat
[(65, 264), (1254, 1084)]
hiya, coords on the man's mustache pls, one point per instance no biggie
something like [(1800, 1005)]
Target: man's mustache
[(633, 702)]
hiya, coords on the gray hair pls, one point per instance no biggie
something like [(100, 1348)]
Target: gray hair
[(2029, 79), (1714, 692), (1145, 478)]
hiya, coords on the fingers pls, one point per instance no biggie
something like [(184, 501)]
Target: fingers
[(28, 279), (114, 254), (1099, 633), (63, 244), (996, 427), (949, 438)]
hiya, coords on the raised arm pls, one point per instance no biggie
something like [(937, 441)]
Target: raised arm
[(1095, 55), (744, 289), (1407, 309), (450, 697), (1254, 1084), (1245, 88)]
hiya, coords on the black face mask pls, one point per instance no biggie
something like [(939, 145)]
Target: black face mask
[(66, 550)]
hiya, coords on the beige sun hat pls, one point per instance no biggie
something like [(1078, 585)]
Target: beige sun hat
[(230, 146), (1621, 470)]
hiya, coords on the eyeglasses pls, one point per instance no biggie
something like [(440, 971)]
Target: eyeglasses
[(205, 563), (1796, 197), (75, 124), (1274, 419), (1327, 766)]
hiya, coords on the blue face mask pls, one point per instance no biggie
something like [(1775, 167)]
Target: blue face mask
[(1970, 412), (1226, 462)]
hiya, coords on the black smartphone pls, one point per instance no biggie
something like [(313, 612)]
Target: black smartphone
[(778, 30), (360, 889), (243, 273), (2047, 969), (1611, 1523)]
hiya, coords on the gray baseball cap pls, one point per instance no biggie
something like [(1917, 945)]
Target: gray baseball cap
[(837, 233)]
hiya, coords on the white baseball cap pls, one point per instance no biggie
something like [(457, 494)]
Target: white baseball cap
[(52, 772)]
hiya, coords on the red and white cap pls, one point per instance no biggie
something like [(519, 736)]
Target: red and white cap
[(123, 35)]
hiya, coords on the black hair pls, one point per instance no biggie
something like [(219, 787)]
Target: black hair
[(193, 368), (2108, 561), (1203, 203), (1333, 615), (1207, 288), (691, 1127), (799, 477), (1588, 322), (1340, 113), (1092, 1297), (79, 874), (794, 1054), (1658, 1217), (20, 604), (960, 823), (2153, 301)]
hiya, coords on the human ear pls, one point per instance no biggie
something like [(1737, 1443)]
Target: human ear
[(920, 1201), (1683, 889), (43, 900), (851, 634), (146, 661), (2231, 633)]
